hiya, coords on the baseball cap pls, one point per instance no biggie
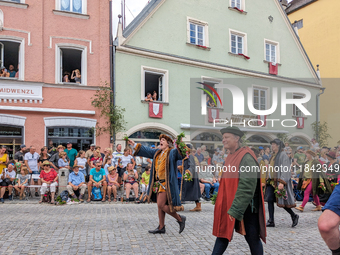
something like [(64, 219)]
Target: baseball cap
[(93, 145), (261, 148), (300, 148), (68, 143), (22, 146), (152, 146)]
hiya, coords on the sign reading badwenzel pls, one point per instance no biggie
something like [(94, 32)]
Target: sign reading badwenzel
[(24, 93)]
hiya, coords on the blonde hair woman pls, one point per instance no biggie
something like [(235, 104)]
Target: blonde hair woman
[(76, 76), (62, 162)]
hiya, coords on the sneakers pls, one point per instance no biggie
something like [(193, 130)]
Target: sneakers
[(2, 200), (10, 198), (207, 198)]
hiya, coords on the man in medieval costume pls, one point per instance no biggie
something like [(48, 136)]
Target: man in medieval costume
[(279, 176), (239, 203), (163, 184), (190, 188)]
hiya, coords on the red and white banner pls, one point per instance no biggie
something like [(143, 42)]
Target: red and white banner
[(273, 68), (300, 122), (262, 123), (213, 114), (155, 110)]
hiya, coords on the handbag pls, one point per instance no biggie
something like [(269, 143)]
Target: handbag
[(305, 184)]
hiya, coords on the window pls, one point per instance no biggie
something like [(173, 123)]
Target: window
[(211, 82), (272, 51), (238, 42), (77, 6), (9, 59), (197, 32), (16, 1), (296, 111), (71, 65), (155, 80), (236, 3), (298, 24), (11, 137), (260, 98)]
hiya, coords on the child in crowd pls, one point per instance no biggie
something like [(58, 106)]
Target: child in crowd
[(145, 179), (62, 162), (107, 164), (81, 162), (22, 182), (113, 184)]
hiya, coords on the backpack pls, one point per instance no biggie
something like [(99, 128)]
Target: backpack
[(96, 193), (64, 195)]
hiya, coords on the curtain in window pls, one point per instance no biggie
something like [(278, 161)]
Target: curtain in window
[(65, 5), (77, 4)]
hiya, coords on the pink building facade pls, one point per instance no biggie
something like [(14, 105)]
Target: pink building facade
[(42, 45)]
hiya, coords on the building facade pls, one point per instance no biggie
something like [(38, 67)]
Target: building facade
[(316, 25), (174, 46), (60, 53)]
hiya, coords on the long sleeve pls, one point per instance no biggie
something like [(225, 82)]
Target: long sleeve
[(245, 190), (284, 175), (143, 151)]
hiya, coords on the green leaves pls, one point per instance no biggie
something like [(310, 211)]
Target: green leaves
[(321, 133)]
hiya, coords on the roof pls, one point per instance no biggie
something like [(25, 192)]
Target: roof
[(140, 17), (297, 4)]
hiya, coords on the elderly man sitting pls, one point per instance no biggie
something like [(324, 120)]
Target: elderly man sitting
[(6, 181), (76, 181), (49, 178)]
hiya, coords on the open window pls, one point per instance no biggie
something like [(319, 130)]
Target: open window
[(209, 85), (71, 65), (155, 80), (9, 59)]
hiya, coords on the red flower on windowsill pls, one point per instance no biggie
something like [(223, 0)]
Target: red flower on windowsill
[(238, 9), (244, 56), (201, 46)]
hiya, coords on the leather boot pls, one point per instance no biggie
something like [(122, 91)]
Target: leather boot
[(197, 208), (295, 220), (270, 224), (318, 208), (181, 224), (157, 231), (300, 208)]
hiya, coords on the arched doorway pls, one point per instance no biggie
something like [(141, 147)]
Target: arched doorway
[(258, 140), (210, 140), (297, 141)]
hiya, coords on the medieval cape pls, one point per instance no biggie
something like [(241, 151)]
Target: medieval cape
[(190, 189), (234, 199), (171, 182)]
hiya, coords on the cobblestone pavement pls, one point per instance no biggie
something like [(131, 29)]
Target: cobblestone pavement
[(103, 228)]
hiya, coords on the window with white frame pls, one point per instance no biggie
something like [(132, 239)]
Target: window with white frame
[(76, 6), (211, 82), (272, 51), (296, 110), (236, 3), (71, 64), (260, 98), (236, 44), (197, 32), (155, 82), (10, 59)]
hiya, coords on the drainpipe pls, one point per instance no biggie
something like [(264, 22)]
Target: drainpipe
[(318, 103), (112, 52)]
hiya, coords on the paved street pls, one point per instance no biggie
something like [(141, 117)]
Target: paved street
[(99, 228)]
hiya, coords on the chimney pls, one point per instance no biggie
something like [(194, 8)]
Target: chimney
[(284, 4)]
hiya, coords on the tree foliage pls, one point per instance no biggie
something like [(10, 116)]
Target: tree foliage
[(321, 134), (112, 116), (283, 137)]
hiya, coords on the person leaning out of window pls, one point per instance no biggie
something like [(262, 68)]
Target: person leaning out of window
[(76, 76)]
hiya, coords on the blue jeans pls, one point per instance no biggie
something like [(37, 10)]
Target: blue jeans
[(208, 186)]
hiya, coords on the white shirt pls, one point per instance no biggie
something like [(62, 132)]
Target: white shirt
[(6, 172), (125, 160), (32, 160), (140, 161), (81, 162)]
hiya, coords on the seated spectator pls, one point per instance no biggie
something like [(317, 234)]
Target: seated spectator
[(11, 72), (107, 164), (146, 179), (55, 157), (22, 182), (148, 97), (198, 155), (125, 159), (49, 178), (76, 76), (19, 155), (112, 184), (66, 77), (97, 179), (80, 161), (7, 181), (209, 181), (63, 162), (154, 96), (95, 157), (102, 155), (130, 177), (76, 181), (31, 162)]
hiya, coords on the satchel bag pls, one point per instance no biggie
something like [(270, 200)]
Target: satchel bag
[(305, 184)]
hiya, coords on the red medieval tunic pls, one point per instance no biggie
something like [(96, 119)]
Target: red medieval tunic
[(223, 227)]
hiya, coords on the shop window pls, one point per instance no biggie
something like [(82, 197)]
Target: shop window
[(12, 138), (9, 59)]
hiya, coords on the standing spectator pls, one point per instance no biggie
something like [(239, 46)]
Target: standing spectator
[(93, 158), (97, 179), (22, 182), (89, 152), (11, 72), (19, 155), (154, 96), (81, 162), (315, 145), (107, 151), (51, 149), (3, 158), (199, 156), (299, 157), (266, 155), (55, 158), (7, 181), (148, 97), (98, 148), (261, 149), (43, 156), (113, 184), (71, 153), (130, 177), (31, 162), (146, 179), (117, 154), (63, 162), (49, 178), (76, 181), (323, 157), (76, 77), (124, 160)]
